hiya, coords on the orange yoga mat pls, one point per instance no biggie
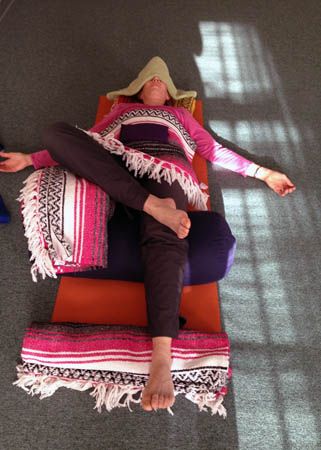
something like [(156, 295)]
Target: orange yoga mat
[(85, 300)]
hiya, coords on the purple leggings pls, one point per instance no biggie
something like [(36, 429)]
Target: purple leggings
[(163, 253)]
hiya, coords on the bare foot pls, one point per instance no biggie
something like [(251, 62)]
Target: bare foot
[(159, 390), (164, 211)]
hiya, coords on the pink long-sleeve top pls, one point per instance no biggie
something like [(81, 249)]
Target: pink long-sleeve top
[(206, 145)]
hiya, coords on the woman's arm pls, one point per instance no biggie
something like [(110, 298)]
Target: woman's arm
[(42, 159), (16, 161), (214, 152)]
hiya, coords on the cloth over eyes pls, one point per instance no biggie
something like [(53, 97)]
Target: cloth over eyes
[(155, 67)]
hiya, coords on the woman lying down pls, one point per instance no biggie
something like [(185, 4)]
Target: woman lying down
[(141, 154)]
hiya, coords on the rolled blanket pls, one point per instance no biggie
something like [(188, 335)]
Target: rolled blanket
[(114, 362), (65, 219)]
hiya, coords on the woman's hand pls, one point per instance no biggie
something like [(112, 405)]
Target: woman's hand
[(277, 181), (14, 161)]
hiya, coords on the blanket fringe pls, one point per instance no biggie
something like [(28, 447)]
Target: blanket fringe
[(156, 170), (106, 394), (45, 386), (110, 395), (208, 400), (113, 396), (40, 255)]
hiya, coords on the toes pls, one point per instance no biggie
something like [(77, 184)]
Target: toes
[(154, 401), (146, 403), (162, 401), (182, 232), (146, 406), (157, 401), (184, 227), (171, 401), (186, 222)]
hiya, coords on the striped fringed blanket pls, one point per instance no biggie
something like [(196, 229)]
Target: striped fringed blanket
[(65, 219), (159, 162), (114, 362)]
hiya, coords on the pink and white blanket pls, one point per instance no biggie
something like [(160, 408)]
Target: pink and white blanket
[(65, 219), (114, 362)]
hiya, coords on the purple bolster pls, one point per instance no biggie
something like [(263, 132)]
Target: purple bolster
[(211, 249)]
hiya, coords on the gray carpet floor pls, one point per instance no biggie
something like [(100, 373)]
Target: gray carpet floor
[(256, 65)]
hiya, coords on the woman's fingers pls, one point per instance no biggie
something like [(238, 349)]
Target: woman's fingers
[(280, 183), (4, 164), (288, 182), (5, 167), (288, 186), (14, 161), (284, 190)]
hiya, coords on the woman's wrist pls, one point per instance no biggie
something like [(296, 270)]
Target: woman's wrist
[(262, 173), (28, 160)]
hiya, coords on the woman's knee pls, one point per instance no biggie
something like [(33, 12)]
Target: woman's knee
[(52, 133)]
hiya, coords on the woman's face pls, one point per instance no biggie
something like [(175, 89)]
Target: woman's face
[(154, 92)]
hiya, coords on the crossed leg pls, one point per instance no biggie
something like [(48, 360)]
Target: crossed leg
[(165, 224)]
